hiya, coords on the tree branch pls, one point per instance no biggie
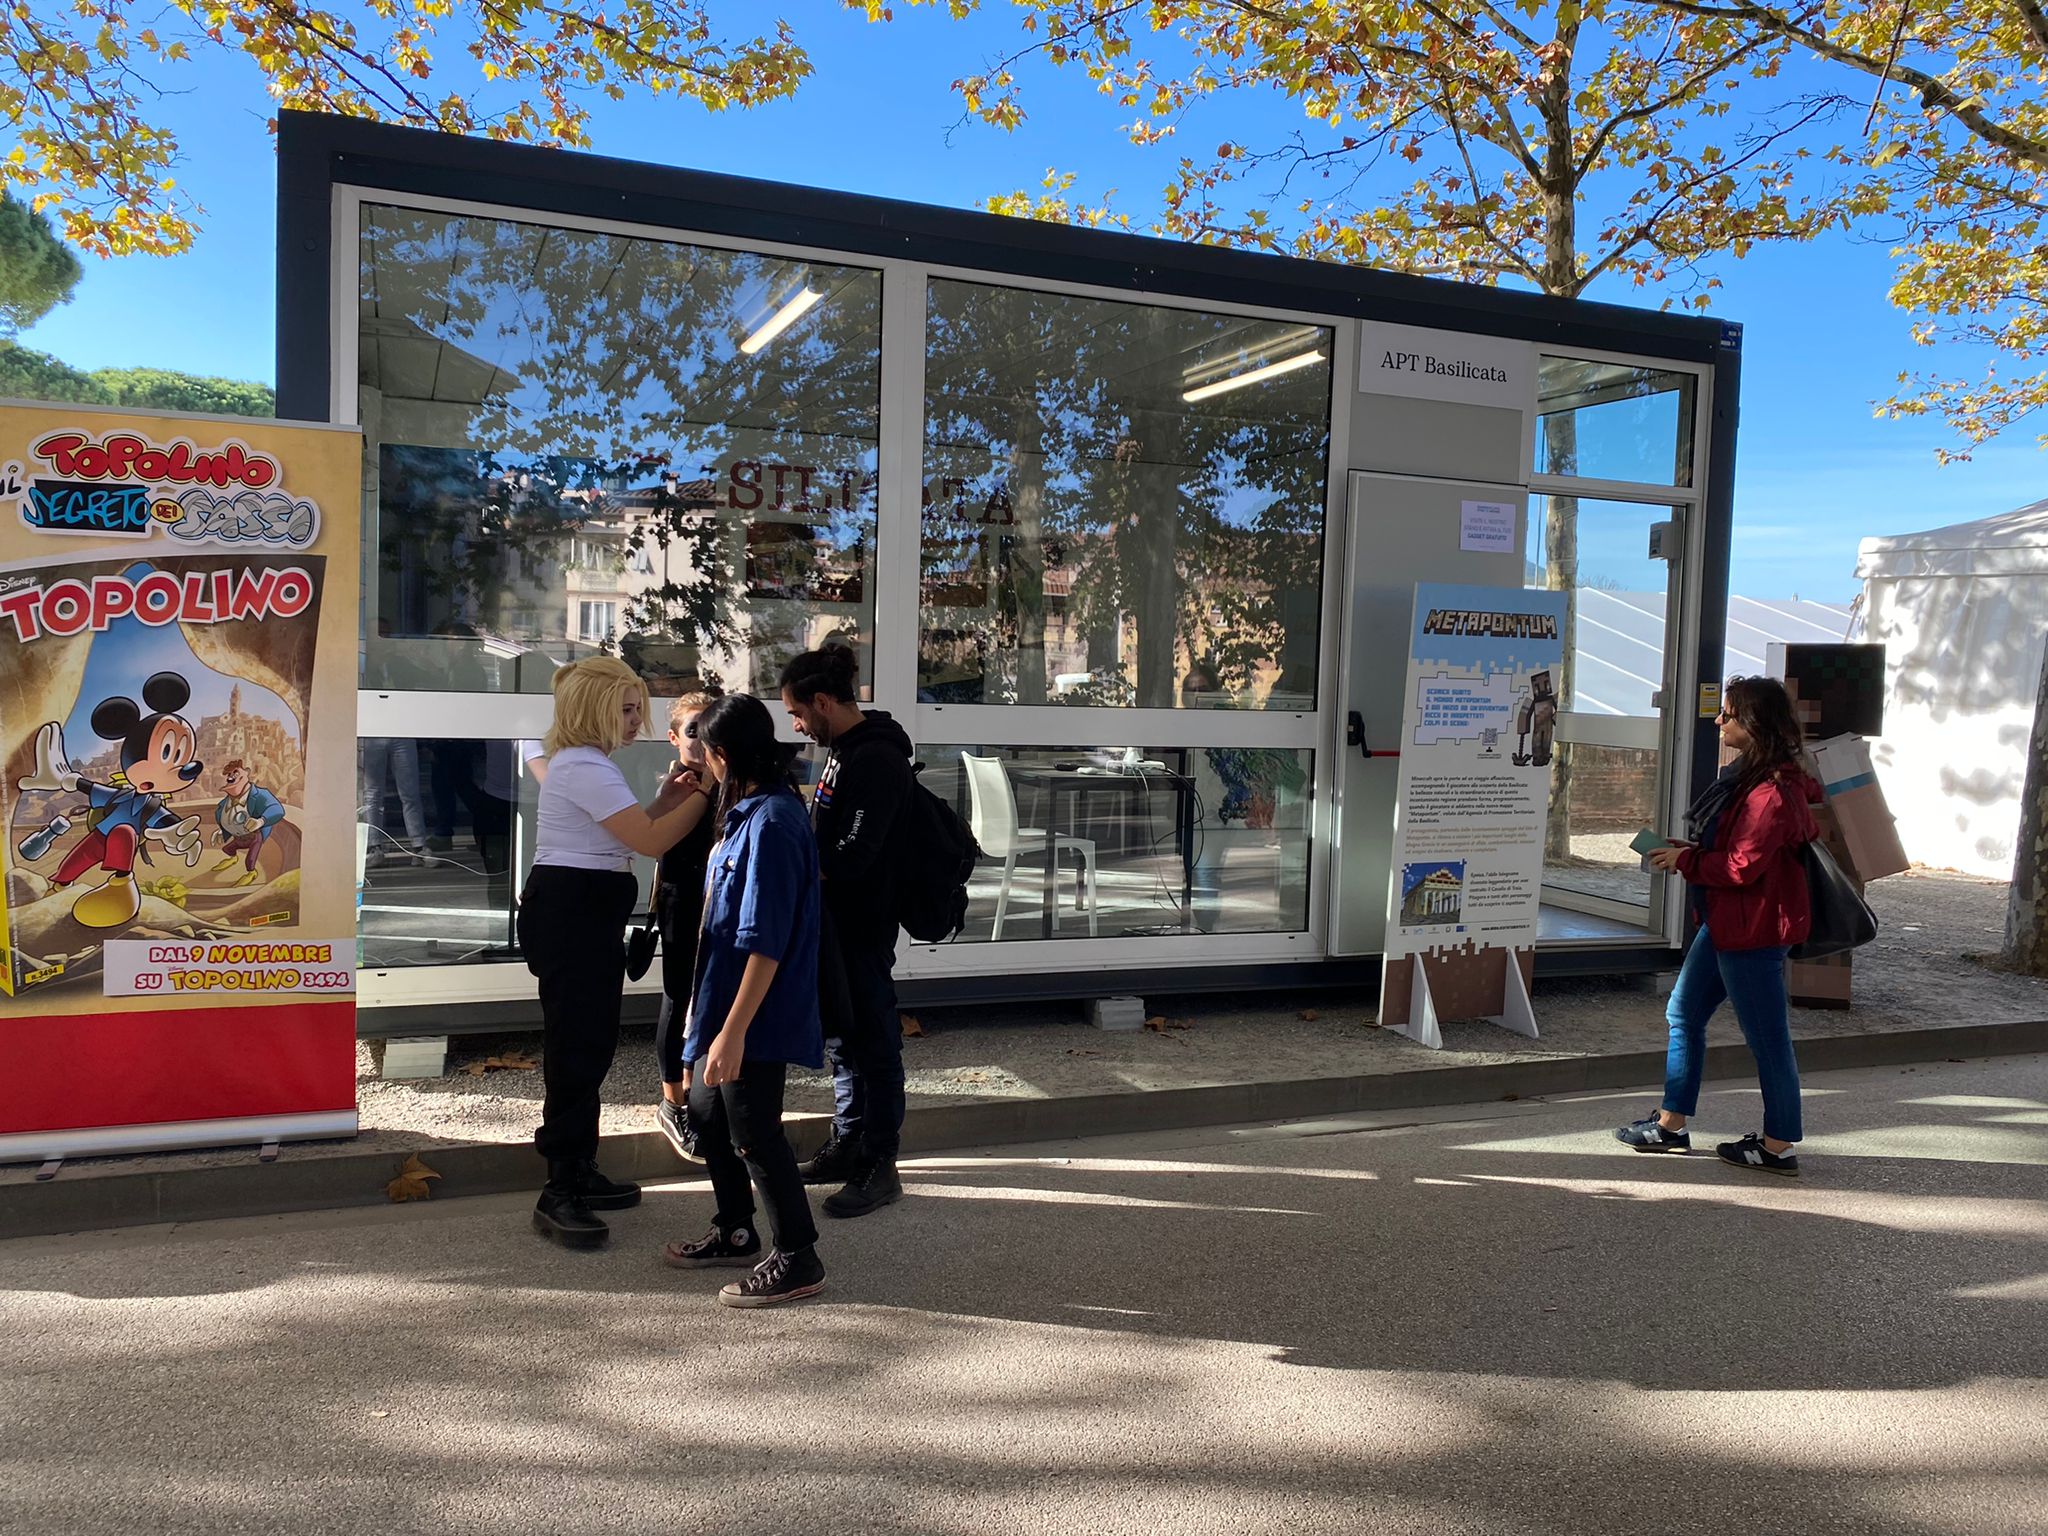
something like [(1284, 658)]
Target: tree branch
[(1935, 94)]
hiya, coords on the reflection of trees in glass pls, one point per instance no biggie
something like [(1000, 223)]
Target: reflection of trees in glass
[(1072, 491), (600, 388)]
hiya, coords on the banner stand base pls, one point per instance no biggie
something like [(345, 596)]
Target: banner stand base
[(1421, 1026), (1424, 1028), (1520, 1014), (174, 1136)]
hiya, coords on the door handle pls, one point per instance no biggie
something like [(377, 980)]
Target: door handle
[(1354, 736)]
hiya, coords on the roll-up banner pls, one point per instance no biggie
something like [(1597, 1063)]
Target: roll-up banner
[(178, 638), (1485, 668)]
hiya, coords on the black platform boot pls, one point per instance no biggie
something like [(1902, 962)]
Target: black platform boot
[(562, 1216)]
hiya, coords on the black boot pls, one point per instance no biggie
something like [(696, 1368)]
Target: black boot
[(875, 1186), (836, 1161), (601, 1193), (562, 1216)]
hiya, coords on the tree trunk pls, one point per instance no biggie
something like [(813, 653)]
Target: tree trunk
[(1027, 560), (1561, 432), (2026, 909)]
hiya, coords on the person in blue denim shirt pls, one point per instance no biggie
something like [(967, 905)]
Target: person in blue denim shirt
[(753, 1009)]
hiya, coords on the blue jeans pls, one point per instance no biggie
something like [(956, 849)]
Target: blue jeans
[(1753, 980)]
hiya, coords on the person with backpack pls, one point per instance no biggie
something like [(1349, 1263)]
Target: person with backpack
[(1749, 892), (753, 1009), (858, 812)]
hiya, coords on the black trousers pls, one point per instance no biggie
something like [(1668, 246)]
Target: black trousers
[(572, 926), (678, 918), (863, 1039), (739, 1129)]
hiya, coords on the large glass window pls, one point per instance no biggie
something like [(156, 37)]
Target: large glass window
[(589, 442), (1129, 842), (1123, 503), (1613, 421)]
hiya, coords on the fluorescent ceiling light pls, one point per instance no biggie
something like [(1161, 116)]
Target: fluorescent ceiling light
[(781, 320), (1256, 376)]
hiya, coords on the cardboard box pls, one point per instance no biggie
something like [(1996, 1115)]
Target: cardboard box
[(1819, 983), (1866, 837)]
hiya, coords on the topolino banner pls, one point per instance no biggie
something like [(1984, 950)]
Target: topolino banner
[(178, 617)]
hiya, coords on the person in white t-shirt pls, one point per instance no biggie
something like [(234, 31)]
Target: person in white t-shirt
[(572, 922)]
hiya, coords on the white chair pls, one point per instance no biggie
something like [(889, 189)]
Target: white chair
[(992, 810)]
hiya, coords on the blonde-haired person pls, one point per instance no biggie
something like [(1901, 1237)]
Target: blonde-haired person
[(572, 922), (679, 914)]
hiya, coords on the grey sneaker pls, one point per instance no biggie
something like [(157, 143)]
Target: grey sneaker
[(1648, 1135)]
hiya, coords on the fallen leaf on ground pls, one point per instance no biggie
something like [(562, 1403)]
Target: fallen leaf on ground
[(1075, 1050), (1309, 1015), (511, 1061), (411, 1183), (1156, 1024), (912, 1030)]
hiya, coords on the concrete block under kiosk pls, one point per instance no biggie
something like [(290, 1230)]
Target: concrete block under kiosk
[(1117, 1013)]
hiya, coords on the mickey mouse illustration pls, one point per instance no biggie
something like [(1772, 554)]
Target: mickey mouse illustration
[(159, 754)]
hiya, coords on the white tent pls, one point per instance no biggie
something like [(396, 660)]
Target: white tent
[(1961, 612)]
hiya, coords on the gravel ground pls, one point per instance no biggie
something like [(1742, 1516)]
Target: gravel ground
[(1922, 970)]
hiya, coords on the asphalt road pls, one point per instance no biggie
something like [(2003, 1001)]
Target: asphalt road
[(1489, 1319)]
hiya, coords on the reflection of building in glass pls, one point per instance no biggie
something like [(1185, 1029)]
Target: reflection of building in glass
[(665, 571), (997, 602)]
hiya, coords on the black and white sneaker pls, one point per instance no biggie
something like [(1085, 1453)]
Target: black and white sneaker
[(1648, 1135), (674, 1121), (717, 1249), (778, 1278), (1750, 1152)]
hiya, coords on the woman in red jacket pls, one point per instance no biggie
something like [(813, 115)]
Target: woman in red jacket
[(1748, 887)]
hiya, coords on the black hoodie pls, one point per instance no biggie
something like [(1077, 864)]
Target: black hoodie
[(856, 812)]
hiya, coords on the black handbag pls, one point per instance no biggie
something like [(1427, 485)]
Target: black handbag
[(640, 942), (1842, 919)]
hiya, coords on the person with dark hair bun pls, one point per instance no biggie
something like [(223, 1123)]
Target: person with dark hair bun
[(857, 811), (753, 1009), (1749, 893)]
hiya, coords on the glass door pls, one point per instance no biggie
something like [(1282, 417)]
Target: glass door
[(1608, 777), (1614, 480)]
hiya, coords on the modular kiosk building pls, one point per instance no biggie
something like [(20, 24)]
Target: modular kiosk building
[(1124, 531)]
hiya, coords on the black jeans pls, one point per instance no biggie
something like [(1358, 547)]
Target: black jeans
[(863, 1039), (572, 926), (679, 921), (739, 1129)]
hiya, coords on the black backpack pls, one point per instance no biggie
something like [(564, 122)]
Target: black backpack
[(938, 855)]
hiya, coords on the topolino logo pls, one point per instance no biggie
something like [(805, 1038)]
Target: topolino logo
[(128, 486)]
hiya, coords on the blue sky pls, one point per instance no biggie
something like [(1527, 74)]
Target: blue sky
[(1815, 472)]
